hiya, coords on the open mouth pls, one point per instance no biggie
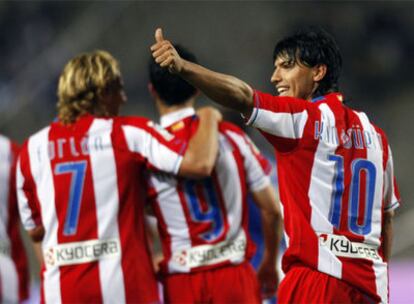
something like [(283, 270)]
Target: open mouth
[(282, 90)]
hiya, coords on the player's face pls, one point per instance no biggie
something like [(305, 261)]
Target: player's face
[(291, 78)]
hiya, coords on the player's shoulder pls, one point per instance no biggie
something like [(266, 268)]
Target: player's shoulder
[(4, 141), (149, 126), (42, 133), (137, 121)]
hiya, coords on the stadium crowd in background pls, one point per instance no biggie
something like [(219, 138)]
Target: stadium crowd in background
[(335, 168), (204, 224), (81, 186)]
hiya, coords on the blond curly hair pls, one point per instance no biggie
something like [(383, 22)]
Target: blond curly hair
[(82, 84)]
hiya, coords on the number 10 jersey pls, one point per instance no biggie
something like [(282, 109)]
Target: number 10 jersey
[(336, 180)]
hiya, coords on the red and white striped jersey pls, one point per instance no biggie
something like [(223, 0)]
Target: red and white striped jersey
[(85, 184), (203, 224), (336, 179), (14, 272)]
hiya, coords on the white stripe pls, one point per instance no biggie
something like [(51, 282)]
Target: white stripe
[(142, 142), (391, 201), (5, 164), (105, 183), (381, 282), (23, 202), (9, 281), (375, 155), (255, 175), (285, 125), (229, 182), (320, 193), (42, 175), (173, 214)]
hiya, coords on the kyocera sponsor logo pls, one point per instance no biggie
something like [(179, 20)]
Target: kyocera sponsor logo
[(81, 252), (211, 254), (341, 246)]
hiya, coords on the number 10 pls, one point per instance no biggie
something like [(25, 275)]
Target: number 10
[(358, 165)]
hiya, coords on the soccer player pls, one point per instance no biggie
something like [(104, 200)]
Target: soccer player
[(203, 224), (335, 168), (14, 272), (81, 186)]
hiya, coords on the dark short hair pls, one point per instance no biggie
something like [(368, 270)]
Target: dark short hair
[(172, 89), (313, 46)]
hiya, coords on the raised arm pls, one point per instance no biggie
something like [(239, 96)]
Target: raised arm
[(224, 89), (272, 232), (201, 154)]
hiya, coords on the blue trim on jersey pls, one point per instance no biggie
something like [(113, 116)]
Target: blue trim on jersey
[(316, 99)]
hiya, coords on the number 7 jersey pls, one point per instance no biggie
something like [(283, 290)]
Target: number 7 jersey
[(336, 180), (84, 184)]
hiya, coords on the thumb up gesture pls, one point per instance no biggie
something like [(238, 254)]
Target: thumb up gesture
[(165, 54)]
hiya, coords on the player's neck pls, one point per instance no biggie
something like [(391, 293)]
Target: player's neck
[(164, 109)]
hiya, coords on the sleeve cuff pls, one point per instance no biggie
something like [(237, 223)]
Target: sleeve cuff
[(177, 165), (259, 184), (393, 206)]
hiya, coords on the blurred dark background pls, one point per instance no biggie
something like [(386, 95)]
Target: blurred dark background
[(236, 37)]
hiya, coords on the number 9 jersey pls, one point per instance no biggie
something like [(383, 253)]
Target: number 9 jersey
[(336, 180), (83, 183), (203, 223)]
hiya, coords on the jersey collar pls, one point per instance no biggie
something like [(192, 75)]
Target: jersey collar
[(171, 118), (331, 96)]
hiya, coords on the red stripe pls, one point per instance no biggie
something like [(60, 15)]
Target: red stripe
[(84, 278), (139, 278)]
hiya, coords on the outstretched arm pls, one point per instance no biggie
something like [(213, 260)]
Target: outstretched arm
[(201, 154), (224, 89)]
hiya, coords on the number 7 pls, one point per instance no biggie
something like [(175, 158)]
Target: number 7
[(78, 170)]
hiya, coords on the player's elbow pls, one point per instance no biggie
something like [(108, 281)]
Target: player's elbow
[(37, 233), (196, 169), (203, 169)]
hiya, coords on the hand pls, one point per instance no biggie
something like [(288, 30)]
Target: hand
[(268, 280), (210, 112), (165, 54)]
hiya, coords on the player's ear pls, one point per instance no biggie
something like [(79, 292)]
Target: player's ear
[(319, 72), (152, 90), (197, 93)]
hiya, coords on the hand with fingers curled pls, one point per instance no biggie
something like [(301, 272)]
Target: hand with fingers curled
[(165, 54)]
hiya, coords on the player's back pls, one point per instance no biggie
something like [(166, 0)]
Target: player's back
[(88, 193), (335, 185), (203, 223)]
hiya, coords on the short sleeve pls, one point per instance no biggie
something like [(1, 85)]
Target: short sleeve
[(26, 192), (280, 119), (256, 166), (159, 149), (391, 193)]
